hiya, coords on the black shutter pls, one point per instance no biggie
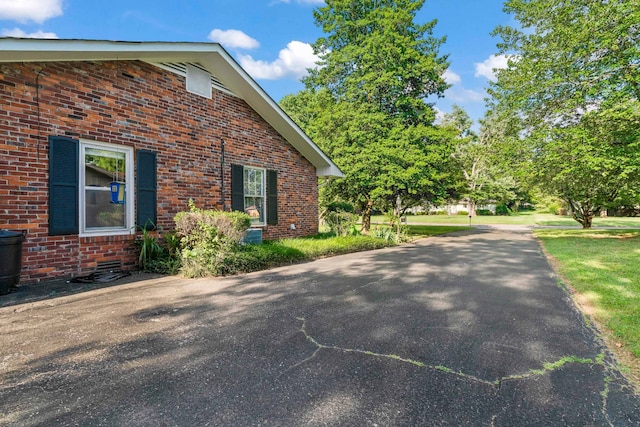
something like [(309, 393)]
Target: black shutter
[(237, 188), (63, 185), (146, 190), (272, 197)]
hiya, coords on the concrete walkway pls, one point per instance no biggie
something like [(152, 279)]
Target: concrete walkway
[(470, 329)]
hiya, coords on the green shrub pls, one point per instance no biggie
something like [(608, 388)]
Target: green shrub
[(463, 213), (553, 208), (341, 223), (208, 238), (484, 212), (390, 234), (503, 209), (228, 226), (340, 207)]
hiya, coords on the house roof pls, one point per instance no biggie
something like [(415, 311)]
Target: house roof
[(210, 56)]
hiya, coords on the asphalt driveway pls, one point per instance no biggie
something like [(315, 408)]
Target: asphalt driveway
[(470, 329)]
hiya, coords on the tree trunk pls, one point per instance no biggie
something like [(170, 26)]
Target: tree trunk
[(472, 207), (585, 218), (366, 216), (583, 212)]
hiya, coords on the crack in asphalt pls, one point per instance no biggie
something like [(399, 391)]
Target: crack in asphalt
[(533, 373)]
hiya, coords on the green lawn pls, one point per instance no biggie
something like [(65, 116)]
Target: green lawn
[(524, 218), (419, 231), (286, 251), (603, 267)]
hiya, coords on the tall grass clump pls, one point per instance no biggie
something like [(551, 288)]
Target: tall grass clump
[(157, 254)]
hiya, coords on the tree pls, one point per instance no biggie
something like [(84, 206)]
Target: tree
[(365, 103), (574, 73), (593, 163), (485, 161), (401, 167), (470, 157)]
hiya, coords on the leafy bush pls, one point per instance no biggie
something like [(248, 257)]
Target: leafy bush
[(548, 204), (484, 212), (390, 234), (226, 226), (463, 213), (503, 209), (208, 238), (340, 207), (341, 223)]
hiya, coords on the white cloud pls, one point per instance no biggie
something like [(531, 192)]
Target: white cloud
[(439, 114), (462, 95), (292, 61), (17, 32), (30, 10), (233, 39), (488, 66), (451, 77)]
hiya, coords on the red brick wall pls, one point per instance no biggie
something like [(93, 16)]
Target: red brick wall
[(142, 106)]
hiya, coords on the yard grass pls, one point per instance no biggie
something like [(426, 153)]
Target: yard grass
[(288, 251), (324, 245), (522, 218), (603, 268), (417, 231)]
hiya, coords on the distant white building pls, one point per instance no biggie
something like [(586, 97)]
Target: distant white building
[(451, 208)]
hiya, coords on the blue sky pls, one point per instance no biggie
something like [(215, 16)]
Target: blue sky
[(269, 38)]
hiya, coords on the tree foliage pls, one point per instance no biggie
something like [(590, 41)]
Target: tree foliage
[(374, 53), (486, 162), (573, 82), (365, 103)]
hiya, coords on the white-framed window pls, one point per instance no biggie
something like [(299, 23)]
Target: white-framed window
[(105, 169), (254, 194)]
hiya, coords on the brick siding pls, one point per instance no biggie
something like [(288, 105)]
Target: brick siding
[(135, 104)]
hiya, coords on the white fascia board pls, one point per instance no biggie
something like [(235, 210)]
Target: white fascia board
[(210, 55)]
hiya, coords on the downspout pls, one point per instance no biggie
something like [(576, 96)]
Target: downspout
[(224, 205)]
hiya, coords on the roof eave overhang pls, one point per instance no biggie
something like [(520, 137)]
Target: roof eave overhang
[(210, 55)]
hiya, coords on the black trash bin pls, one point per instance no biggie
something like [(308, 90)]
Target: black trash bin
[(10, 259)]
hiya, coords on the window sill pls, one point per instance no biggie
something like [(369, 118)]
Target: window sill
[(107, 233)]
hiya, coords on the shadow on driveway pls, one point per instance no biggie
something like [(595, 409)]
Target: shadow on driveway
[(460, 330)]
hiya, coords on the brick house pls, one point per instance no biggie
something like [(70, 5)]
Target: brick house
[(98, 138)]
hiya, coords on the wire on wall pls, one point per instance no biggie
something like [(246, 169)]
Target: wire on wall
[(38, 113)]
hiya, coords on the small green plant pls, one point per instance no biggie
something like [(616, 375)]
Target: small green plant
[(155, 254), (148, 245), (463, 213), (341, 223), (503, 209), (391, 235)]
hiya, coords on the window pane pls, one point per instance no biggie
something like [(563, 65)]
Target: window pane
[(254, 207), (100, 212), (102, 167), (259, 190), (253, 182)]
